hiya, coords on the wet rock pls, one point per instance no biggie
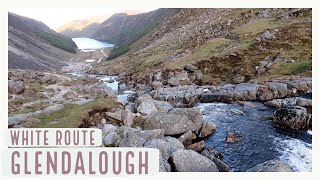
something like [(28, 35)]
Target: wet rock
[(223, 167), (186, 138), (208, 128), (198, 146), (166, 146), (191, 113), (163, 106), (212, 151), (232, 137), (171, 123), (190, 67), (16, 87), (110, 81), (191, 161), (271, 166), (293, 117), (127, 118)]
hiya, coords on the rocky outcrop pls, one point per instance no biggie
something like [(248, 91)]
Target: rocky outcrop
[(295, 101), (185, 96), (293, 118), (271, 166)]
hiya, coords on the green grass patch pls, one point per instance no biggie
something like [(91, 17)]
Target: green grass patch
[(59, 41), (256, 27), (205, 51), (72, 115), (296, 68)]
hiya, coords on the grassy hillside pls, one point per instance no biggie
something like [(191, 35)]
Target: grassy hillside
[(59, 41), (223, 44)]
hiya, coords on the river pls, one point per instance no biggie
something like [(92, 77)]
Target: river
[(259, 141)]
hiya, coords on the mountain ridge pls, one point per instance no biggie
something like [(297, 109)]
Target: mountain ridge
[(33, 45)]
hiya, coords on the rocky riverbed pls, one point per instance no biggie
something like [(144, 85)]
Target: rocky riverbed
[(253, 126)]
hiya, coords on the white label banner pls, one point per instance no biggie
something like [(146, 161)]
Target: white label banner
[(81, 161)]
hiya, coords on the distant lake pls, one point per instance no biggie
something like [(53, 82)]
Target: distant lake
[(88, 44)]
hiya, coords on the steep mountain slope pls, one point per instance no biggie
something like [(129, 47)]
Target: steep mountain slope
[(33, 45), (87, 27), (123, 30), (226, 45)]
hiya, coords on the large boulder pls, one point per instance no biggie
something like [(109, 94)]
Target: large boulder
[(193, 114), (171, 123), (271, 166), (146, 105), (16, 87), (191, 161), (166, 146), (293, 118)]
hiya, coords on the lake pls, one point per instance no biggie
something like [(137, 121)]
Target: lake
[(88, 44)]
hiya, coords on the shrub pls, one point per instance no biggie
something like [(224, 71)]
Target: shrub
[(58, 41)]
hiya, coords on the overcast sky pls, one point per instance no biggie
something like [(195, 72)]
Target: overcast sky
[(56, 17)]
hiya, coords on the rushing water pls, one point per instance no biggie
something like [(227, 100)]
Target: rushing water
[(259, 141), (88, 44)]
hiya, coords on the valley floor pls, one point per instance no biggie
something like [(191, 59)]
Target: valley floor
[(133, 117)]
